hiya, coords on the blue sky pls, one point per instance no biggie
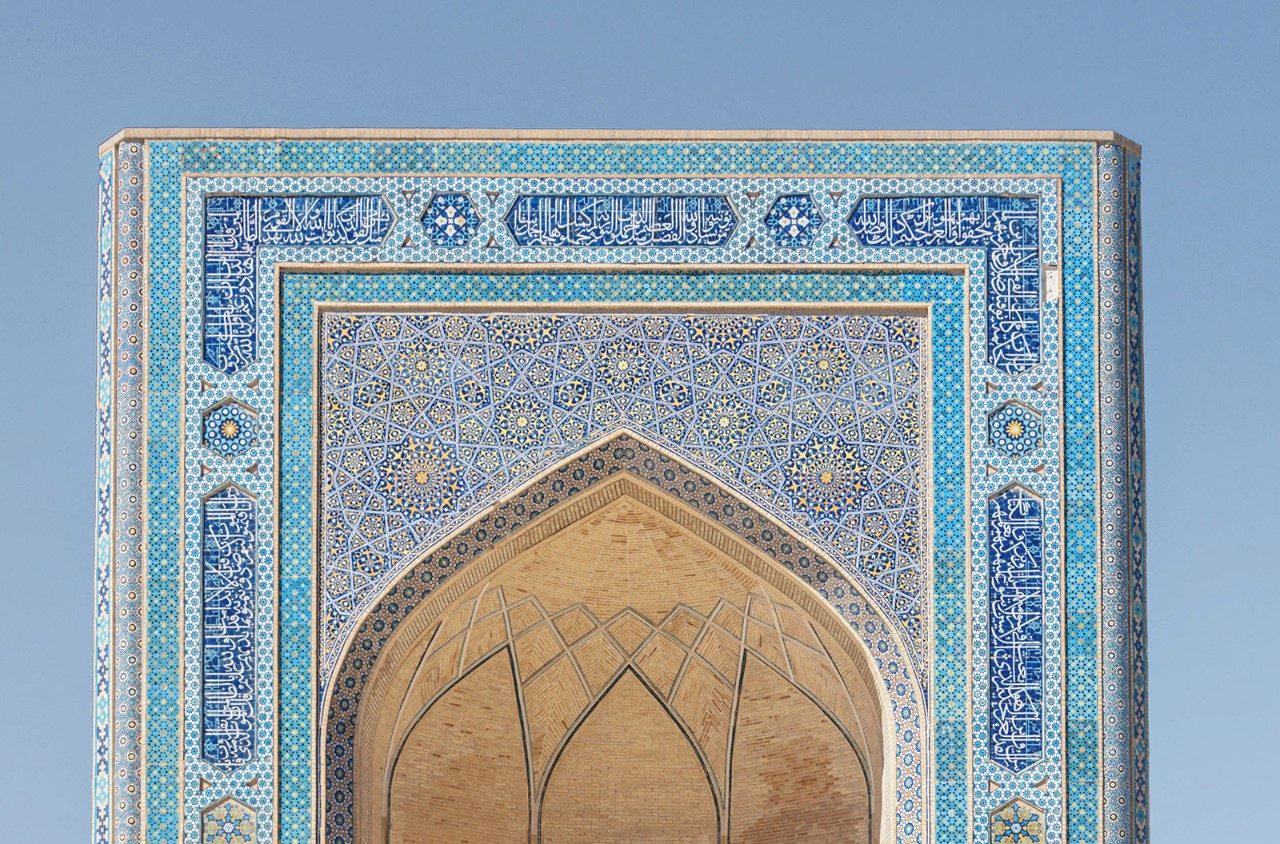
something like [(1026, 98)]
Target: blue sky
[(1194, 83)]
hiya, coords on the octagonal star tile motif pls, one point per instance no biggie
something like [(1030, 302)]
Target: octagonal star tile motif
[(1017, 822), (229, 822), (230, 428), (793, 220), (451, 219), (1015, 428)]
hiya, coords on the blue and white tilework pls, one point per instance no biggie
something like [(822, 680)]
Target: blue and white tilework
[(396, 193), (1015, 428), (1008, 227), (970, 221), (237, 226), (117, 812), (793, 220), (1018, 822), (1114, 400), (229, 822), (1015, 589), (1136, 449), (1123, 646), (229, 725), (621, 219), (102, 511), (230, 428), (451, 219), (427, 419)]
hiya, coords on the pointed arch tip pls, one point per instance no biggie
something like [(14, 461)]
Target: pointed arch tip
[(225, 487), (1015, 486), (626, 436), (484, 573)]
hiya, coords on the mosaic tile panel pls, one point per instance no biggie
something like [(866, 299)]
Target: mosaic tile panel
[(1123, 657), (975, 269), (621, 220), (1137, 557), (230, 428), (102, 732), (237, 226), (1113, 489), (427, 417), (128, 539), (451, 219), (1015, 428), (229, 822), (1018, 822), (794, 220), (1071, 462)]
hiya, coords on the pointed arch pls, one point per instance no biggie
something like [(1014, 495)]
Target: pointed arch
[(629, 721), (688, 645), (465, 747), (796, 771)]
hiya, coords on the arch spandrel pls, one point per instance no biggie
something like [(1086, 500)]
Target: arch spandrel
[(721, 590)]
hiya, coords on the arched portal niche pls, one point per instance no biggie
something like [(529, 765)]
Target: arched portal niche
[(622, 669)]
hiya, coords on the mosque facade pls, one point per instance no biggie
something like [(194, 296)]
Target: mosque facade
[(631, 486)]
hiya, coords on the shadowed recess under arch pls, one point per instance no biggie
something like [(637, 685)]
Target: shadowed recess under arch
[(618, 579)]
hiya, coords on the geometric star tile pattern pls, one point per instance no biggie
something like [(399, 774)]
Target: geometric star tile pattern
[(451, 219), (1017, 822), (1015, 428), (819, 419), (229, 822), (230, 428), (793, 220)]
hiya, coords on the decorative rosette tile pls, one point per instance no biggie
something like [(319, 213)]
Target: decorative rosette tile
[(1015, 428), (229, 822), (1017, 822), (793, 220), (826, 477), (451, 219), (230, 428)]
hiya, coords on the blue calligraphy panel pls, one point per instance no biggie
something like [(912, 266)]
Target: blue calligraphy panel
[(621, 220), (228, 728), (1008, 227), (234, 228), (1015, 539)]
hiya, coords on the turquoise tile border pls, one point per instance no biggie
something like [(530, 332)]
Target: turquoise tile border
[(103, 494)]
